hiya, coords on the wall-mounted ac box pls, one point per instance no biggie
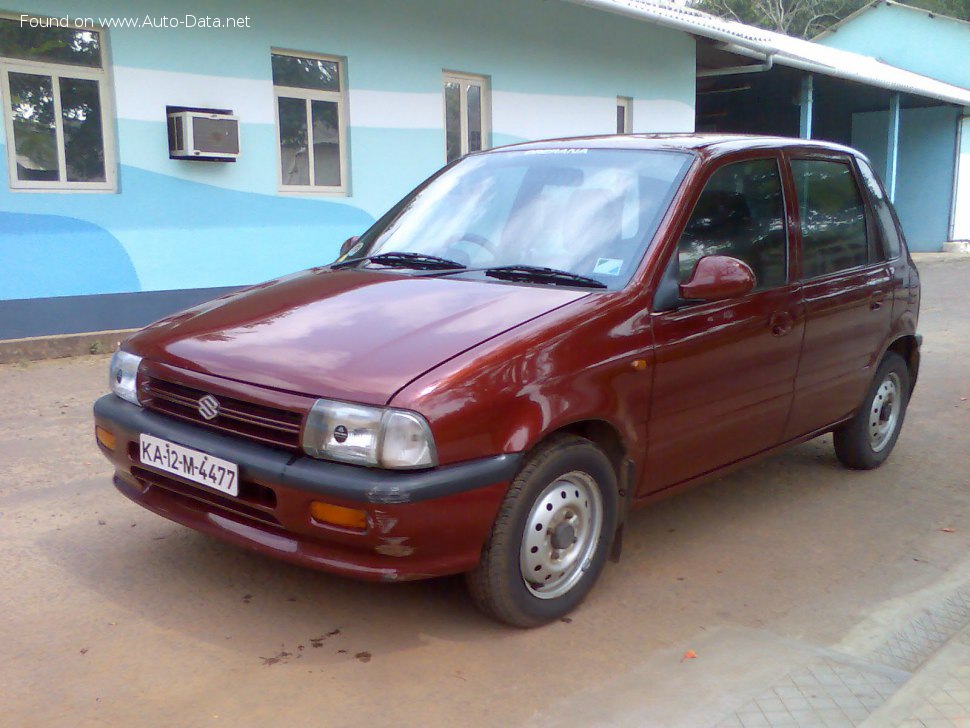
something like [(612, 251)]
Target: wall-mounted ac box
[(203, 135)]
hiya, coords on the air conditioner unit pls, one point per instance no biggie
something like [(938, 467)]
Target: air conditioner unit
[(203, 135)]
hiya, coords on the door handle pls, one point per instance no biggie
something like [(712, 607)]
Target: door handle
[(876, 300), (781, 323)]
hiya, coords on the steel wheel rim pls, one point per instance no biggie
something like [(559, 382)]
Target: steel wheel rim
[(570, 509), (884, 412)]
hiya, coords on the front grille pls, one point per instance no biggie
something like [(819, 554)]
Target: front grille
[(253, 503), (269, 425)]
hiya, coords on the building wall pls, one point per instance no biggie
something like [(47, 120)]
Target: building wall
[(910, 39), (555, 69), (925, 164), (935, 47)]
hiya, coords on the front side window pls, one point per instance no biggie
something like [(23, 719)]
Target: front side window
[(310, 101), (466, 114), (589, 212), (55, 98), (740, 214), (833, 217)]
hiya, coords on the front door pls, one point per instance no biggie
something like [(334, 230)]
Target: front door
[(724, 371)]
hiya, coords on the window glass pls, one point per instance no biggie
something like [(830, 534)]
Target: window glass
[(310, 123), (452, 120), (71, 46), (623, 125), (474, 92), (34, 130), (294, 155), (833, 218), (885, 220), (83, 141), (309, 73), (326, 144), (592, 212), (740, 214)]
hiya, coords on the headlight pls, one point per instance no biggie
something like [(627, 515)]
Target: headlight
[(372, 436), (123, 375)]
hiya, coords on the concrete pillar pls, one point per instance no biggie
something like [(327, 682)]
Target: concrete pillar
[(806, 101), (892, 146)]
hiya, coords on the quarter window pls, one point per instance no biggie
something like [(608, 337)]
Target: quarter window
[(833, 217), (885, 219), (310, 119), (740, 214), (467, 107), (54, 107)]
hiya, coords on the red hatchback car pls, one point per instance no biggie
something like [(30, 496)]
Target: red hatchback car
[(536, 340)]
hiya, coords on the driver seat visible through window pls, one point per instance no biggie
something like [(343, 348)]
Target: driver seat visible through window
[(740, 214)]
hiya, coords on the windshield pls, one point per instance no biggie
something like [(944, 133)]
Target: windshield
[(589, 212)]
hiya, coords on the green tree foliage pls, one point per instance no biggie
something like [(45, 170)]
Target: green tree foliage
[(808, 18)]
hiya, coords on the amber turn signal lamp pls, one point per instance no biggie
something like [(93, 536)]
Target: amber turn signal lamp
[(107, 439), (338, 515)]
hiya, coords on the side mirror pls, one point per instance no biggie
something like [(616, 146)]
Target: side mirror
[(347, 245), (717, 278)]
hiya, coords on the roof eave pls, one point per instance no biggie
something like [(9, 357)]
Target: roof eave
[(667, 18)]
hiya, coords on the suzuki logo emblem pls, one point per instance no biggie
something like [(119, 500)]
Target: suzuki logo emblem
[(209, 407)]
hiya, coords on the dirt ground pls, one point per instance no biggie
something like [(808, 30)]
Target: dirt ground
[(114, 616)]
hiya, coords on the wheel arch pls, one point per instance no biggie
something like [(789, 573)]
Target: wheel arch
[(610, 440), (907, 346)]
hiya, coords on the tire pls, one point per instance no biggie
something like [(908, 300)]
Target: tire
[(866, 441), (566, 490)]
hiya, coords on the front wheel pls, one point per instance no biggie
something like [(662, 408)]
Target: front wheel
[(551, 537), (867, 439)]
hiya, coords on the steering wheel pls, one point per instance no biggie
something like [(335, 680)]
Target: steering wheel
[(479, 240)]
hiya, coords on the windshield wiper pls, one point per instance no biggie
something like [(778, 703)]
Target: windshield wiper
[(415, 261), (538, 274)]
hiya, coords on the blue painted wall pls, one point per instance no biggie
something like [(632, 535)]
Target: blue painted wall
[(926, 159), (909, 38), (938, 47), (555, 69)]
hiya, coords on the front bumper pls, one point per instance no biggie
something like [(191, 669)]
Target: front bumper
[(419, 523)]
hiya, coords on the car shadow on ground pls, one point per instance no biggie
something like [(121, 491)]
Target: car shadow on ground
[(212, 592)]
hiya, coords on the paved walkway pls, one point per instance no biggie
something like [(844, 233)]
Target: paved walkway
[(919, 677), (907, 666)]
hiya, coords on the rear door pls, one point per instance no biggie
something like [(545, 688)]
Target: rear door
[(724, 371), (847, 291)]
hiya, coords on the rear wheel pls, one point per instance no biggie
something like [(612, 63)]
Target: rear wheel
[(551, 537), (866, 441)]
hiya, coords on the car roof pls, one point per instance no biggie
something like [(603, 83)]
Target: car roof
[(714, 144)]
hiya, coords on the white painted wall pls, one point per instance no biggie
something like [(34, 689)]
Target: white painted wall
[(961, 194)]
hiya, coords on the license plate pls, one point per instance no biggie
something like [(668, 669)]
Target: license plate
[(199, 467)]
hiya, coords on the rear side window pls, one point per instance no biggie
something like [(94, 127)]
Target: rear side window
[(740, 214), (885, 220), (833, 217)]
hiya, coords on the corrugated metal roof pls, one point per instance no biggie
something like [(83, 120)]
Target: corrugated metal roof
[(784, 49)]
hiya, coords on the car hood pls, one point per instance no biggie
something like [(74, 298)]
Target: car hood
[(353, 335)]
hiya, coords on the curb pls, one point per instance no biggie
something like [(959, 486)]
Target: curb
[(62, 345)]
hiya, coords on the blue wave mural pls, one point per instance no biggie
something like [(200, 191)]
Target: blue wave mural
[(162, 233)]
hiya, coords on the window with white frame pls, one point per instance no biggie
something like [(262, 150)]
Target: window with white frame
[(311, 122), (624, 115), (56, 106), (467, 114)]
